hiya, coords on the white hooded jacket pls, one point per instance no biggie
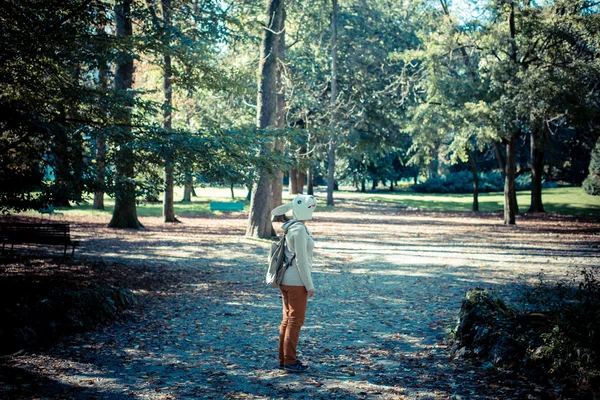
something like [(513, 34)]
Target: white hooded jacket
[(299, 241)]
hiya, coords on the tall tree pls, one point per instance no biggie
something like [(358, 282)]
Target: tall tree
[(278, 146), (550, 56), (259, 223), (591, 184), (536, 146), (471, 70), (168, 198), (510, 198), (188, 187), (100, 138), (333, 105), (125, 213), (164, 30)]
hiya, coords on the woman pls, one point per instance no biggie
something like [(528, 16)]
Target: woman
[(297, 285)]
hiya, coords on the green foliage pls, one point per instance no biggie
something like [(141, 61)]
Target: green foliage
[(43, 48), (190, 36), (571, 338), (477, 79), (417, 88), (56, 98), (567, 201), (56, 311), (554, 333), (591, 184), (462, 182), (217, 156), (370, 105)]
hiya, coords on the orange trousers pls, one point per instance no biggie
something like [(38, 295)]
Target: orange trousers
[(295, 299)]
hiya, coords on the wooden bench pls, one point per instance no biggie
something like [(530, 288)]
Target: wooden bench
[(49, 210), (226, 206), (44, 234)]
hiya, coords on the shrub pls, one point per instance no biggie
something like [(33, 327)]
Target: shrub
[(60, 312), (555, 333), (572, 338), (591, 184), (462, 182)]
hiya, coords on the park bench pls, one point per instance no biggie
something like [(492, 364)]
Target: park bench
[(226, 206), (49, 210), (43, 234)]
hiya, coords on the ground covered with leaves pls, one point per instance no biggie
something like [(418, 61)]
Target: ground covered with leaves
[(389, 286)]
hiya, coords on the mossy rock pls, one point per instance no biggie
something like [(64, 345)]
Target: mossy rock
[(480, 316)]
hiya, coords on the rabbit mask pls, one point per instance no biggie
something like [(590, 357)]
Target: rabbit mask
[(302, 207)]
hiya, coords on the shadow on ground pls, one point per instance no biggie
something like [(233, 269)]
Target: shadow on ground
[(389, 287)]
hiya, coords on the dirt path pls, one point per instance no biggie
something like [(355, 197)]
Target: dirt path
[(389, 285)]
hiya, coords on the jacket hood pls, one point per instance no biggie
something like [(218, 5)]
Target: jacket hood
[(288, 224)]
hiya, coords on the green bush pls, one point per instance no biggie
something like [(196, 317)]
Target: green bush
[(462, 182), (31, 323), (572, 337), (591, 184), (553, 334)]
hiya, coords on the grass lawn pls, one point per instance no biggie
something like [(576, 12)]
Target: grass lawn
[(566, 200), (199, 205)]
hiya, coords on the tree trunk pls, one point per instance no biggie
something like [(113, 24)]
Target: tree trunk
[(363, 185), (125, 213), (259, 223), (510, 203), (537, 168), (514, 58), (231, 187), (301, 181), (432, 167), (277, 188), (500, 159), (168, 195), (169, 173), (187, 187), (293, 185), (78, 164), (100, 171), (502, 165), (333, 101), (310, 181), (277, 185), (68, 156), (62, 168), (100, 140), (473, 163)]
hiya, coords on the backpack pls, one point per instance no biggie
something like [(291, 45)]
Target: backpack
[(277, 262)]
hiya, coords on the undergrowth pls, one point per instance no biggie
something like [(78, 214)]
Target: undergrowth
[(571, 338), (553, 333)]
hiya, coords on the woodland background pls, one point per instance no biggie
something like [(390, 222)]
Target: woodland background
[(129, 98)]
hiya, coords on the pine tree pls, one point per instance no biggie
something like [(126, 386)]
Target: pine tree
[(591, 184)]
